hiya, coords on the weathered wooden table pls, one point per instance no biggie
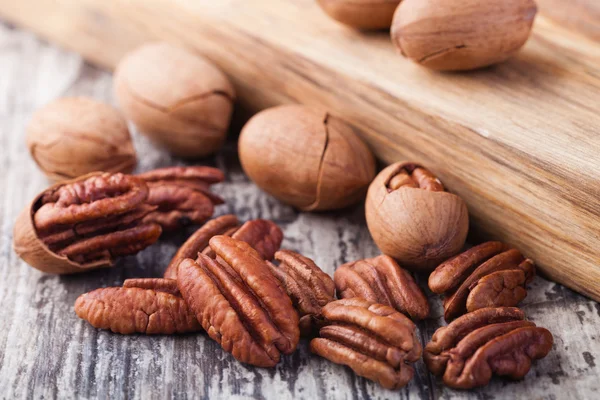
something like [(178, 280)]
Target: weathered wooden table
[(47, 352)]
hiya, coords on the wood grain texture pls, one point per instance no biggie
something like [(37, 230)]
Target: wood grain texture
[(580, 15), (47, 352), (518, 141)]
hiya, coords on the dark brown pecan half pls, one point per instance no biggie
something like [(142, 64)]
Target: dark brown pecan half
[(182, 195), (488, 341), (415, 176), (129, 310), (239, 302), (376, 341), (382, 280), (156, 284), (307, 285), (96, 219), (489, 275)]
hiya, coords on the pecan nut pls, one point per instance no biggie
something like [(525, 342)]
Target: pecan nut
[(85, 223), (307, 285), (382, 280), (264, 236), (239, 302), (182, 195), (376, 341), (488, 341), (141, 307), (489, 275)]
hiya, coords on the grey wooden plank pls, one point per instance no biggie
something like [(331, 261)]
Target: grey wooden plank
[(47, 352)]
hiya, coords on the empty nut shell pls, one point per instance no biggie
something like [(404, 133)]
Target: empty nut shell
[(70, 137), (178, 98), (306, 158), (361, 14)]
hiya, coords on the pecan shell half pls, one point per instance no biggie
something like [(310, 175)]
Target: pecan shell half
[(239, 302), (182, 195), (307, 285), (85, 223), (488, 341), (149, 308), (489, 275), (376, 341), (382, 280)]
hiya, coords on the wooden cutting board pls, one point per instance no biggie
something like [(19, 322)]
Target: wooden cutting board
[(519, 141)]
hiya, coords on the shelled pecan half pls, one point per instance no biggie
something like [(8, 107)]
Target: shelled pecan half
[(376, 341), (307, 285), (150, 308), (488, 341), (264, 236), (489, 275), (85, 223), (239, 302), (382, 280), (182, 195)]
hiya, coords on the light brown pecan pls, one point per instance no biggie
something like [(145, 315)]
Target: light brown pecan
[(182, 195), (489, 275), (307, 285), (239, 302), (264, 236), (376, 341), (382, 280), (488, 341), (86, 223), (143, 307)]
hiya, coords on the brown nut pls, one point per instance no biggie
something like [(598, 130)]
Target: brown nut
[(487, 341), (332, 170), (144, 306), (240, 303), (85, 224), (307, 285), (381, 280), (489, 275), (182, 195), (70, 137), (264, 236), (453, 35), (178, 98), (375, 340), (412, 219), (361, 14)]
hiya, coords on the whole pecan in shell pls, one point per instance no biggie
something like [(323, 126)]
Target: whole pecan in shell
[(239, 302), (382, 280), (85, 223), (488, 341), (182, 195), (376, 341), (147, 308), (307, 285), (489, 275)]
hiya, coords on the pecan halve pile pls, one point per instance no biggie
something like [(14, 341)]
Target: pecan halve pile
[(239, 302), (150, 306), (307, 285), (263, 235), (182, 195), (488, 341), (489, 275), (376, 341), (382, 280)]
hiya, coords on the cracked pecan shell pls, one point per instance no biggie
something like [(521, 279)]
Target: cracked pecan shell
[(489, 275), (488, 341), (382, 280), (376, 341), (239, 302), (148, 307), (85, 223), (264, 236), (307, 285), (182, 195)]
